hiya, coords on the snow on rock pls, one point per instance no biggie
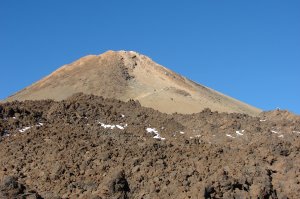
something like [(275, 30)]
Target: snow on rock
[(151, 130), (228, 135), (24, 129), (240, 133), (280, 135), (40, 124), (112, 126), (157, 136), (155, 132), (120, 127), (107, 126), (29, 127)]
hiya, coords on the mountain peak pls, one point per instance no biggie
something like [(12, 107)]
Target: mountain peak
[(129, 75)]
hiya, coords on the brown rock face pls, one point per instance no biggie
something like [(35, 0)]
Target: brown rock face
[(90, 147), (128, 75)]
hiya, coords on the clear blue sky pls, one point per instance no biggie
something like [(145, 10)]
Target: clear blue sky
[(249, 50)]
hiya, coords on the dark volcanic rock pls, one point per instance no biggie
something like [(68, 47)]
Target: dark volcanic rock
[(11, 188)]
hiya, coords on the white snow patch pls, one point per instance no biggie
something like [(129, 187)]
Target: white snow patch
[(29, 127), (120, 127), (181, 132), (122, 115), (274, 132), (151, 130), (40, 124), (14, 118), (239, 133), (157, 136), (228, 135), (280, 136), (296, 132), (155, 132), (108, 126), (24, 129), (262, 120), (112, 126)]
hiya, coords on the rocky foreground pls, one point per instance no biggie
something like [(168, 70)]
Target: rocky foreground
[(91, 147)]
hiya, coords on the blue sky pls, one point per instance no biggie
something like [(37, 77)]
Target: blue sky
[(249, 50)]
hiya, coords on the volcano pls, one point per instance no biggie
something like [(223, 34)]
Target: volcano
[(126, 75), (93, 141)]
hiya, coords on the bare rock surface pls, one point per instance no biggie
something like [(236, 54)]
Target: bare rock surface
[(91, 147)]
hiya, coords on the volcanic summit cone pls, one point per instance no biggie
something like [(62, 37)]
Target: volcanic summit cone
[(128, 75)]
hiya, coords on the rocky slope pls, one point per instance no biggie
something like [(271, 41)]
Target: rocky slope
[(129, 75), (90, 147)]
